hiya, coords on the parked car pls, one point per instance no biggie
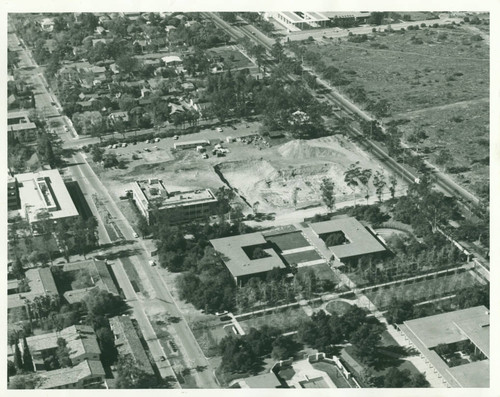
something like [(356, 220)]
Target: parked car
[(176, 137), (147, 141), (162, 358), (136, 235), (219, 129), (152, 263), (124, 144)]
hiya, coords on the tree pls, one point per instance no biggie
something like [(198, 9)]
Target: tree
[(229, 17), (327, 188), (18, 360), (11, 369), (351, 177), (277, 50), (399, 311), (97, 153), (18, 269), (62, 353), (443, 157), (237, 355), (130, 376), (29, 381), (379, 183), (103, 303), (106, 340), (284, 347), (393, 183), (365, 340), (27, 359), (364, 177), (395, 378)]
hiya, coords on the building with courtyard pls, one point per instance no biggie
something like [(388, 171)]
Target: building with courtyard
[(456, 345), (347, 239), (42, 195), (174, 207)]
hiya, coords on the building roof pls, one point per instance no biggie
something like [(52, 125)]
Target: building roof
[(22, 127), (238, 262), (171, 58), (44, 191), (127, 342), (361, 241), (467, 324), (155, 189), (263, 381), (70, 375), (40, 281), (100, 275), (347, 14), (80, 340)]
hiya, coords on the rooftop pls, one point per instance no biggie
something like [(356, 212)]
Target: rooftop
[(264, 381), (70, 375), (80, 340), (361, 241), (238, 262), (467, 324), (127, 341), (155, 189), (44, 191), (40, 281)]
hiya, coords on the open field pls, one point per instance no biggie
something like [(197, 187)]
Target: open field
[(422, 290), (461, 128), (258, 172), (338, 307), (444, 70)]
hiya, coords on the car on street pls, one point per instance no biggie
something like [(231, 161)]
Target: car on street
[(162, 358), (136, 235), (219, 129), (152, 263), (176, 137)]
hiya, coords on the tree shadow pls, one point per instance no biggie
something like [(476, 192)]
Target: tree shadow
[(122, 253)]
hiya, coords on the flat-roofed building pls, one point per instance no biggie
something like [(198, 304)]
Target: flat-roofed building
[(191, 144), (44, 195), (237, 256), (297, 20), (361, 16), (13, 200), (127, 342), (468, 325), (358, 241), (174, 207)]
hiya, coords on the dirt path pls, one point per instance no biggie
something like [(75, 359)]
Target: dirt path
[(442, 107)]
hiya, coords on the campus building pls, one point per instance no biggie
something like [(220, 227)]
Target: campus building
[(298, 20), (460, 367), (127, 342), (13, 200), (237, 256), (175, 207), (43, 195), (358, 241)]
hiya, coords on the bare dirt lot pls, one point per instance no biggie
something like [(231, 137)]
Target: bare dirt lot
[(267, 174)]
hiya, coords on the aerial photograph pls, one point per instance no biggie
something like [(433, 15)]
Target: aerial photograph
[(240, 200)]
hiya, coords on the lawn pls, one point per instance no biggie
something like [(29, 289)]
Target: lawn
[(301, 257), (338, 307), (209, 334), (289, 241), (286, 320), (422, 290), (39, 244), (333, 373)]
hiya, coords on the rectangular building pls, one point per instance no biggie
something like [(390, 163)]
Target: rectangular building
[(468, 325), (43, 195), (191, 144), (235, 251), (40, 282), (20, 126), (174, 207)]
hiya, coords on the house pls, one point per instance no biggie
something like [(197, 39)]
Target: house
[(47, 24), (116, 116), (41, 283), (100, 30), (188, 86), (96, 41), (80, 340), (114, 68)]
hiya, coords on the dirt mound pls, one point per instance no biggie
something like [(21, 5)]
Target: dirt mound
[(299, 149)]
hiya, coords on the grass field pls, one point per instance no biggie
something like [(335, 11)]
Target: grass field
[(289, 241), (333, 373), (300, 257), (338, 307), (422, 290), (286, 320), (132, 274)]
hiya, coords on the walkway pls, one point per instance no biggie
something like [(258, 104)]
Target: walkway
[(296, 250)]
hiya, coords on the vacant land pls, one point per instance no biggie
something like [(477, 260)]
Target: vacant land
[(259, 173), (422, 290), (437, 78)]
